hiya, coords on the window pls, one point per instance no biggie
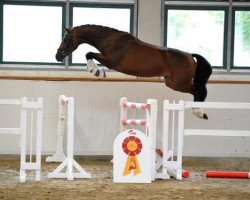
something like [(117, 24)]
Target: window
[(218, 30), (92, 14), (31, 30), (197, 31), (30, 35), (241, 56)]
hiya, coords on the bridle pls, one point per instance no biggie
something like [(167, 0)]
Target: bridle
[(67, 38)]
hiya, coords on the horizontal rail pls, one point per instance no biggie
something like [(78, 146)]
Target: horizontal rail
[(13, 131), (31, 166), (134, 122), (142, 106), (10, 101), (32, 105), (196, 3), (170, 106), (218, 105), (229, 133)]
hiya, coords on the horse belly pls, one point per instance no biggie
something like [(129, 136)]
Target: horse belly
[(143, 65)]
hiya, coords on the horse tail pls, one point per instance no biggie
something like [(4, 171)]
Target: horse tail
[(202, 74)]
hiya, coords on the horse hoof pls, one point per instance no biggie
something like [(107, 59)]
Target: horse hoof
[(100, 73), (205, 116), (199, 113)]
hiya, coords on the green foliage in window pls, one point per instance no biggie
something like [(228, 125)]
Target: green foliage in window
[(217, 17), (242, 25), (178, 21)]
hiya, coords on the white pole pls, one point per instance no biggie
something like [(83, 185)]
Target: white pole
[(151, 119), (180, 141), (39, 138), (173, 133), (70, 138), (59, 156), (165, 134), (31, 130), (23, 140), (60, 127), (123, 113)]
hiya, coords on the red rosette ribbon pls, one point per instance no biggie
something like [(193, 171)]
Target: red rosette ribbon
[(132, 146)]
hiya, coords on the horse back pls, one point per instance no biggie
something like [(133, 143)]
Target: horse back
[(132, 56)]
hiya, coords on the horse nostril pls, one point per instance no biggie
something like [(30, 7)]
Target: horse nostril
[(58, 57), (64, 53)]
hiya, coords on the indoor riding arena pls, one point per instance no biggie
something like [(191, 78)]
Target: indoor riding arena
[(125, 99)]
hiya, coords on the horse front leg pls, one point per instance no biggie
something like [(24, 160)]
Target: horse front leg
[(92, 67)]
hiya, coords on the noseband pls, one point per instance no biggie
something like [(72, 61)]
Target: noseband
[(67, 39)]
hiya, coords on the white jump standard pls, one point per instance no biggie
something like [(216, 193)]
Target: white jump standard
[(69, 163), (150, 123), (173, 166), (22, 132)]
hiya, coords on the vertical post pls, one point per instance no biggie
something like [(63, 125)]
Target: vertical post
[(70, 138), (39, 137), (151, 120), (69, 163), (165, 135), (173, 132), (123, 113), (60, 128), (23, 124), (59, 156), (67, 25), (180, 140)]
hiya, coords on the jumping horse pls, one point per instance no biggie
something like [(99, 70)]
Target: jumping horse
[(125, 53)]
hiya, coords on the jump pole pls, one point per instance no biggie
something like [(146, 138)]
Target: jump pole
[(225, 174)]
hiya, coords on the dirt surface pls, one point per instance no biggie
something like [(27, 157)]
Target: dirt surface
[(102, 187)]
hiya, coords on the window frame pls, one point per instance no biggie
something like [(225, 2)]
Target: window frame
[(229, 6), (66, 9), (99, 5), (237, 8), (30, 3), (201, 8)]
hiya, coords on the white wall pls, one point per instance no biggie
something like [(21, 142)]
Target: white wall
[(97, 114), (97, 110), (149, 21)]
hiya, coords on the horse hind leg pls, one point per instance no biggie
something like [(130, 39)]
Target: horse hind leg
[(200, 94), (92, 67)]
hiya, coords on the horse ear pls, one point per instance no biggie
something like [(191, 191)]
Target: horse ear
[(68, 30)]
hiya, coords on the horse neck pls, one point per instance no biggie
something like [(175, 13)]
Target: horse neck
[(89, 35)]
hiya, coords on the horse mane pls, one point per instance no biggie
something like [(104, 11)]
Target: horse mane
[(105, 28)]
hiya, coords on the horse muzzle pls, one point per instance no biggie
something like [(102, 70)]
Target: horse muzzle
[(59, 56)]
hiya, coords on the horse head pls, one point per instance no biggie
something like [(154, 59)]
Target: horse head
[(67, 45)]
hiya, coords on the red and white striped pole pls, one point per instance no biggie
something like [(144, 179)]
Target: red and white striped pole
[(224, 174)]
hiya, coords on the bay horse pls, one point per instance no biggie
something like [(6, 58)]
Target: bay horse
[(125, 53)]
